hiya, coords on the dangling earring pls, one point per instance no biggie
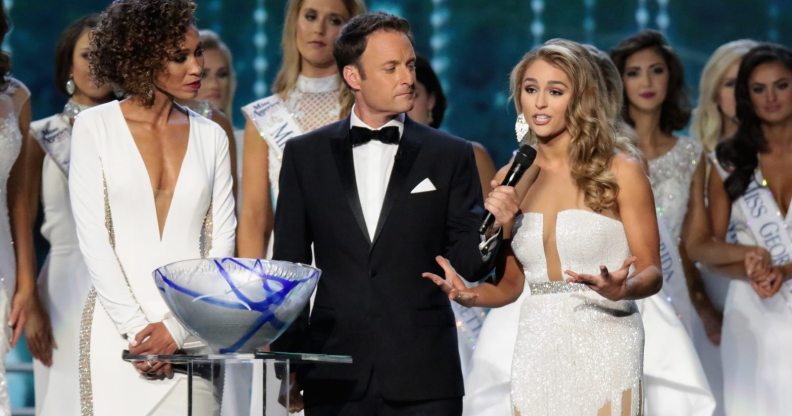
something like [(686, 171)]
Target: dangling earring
[(429, 118), (520, 128), (70, 87)]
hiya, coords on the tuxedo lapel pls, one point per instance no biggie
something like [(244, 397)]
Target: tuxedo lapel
[(342, 151), (409, 145)]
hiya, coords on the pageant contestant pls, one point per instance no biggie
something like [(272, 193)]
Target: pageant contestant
[(64, 281), (308, 94), (582, 248), (18, 297), (714, 120), (655, 105), (752, 189), (150, 184)]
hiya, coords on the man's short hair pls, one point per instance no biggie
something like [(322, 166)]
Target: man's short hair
[(351, 43)]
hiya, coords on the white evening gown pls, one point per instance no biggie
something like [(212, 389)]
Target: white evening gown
[(675, 382), (12, 98), (576, 351), (63, 282), (756, 340), (113, 206)]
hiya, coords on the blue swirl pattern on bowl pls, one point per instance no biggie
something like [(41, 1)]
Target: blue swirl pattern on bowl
[(236, 304)]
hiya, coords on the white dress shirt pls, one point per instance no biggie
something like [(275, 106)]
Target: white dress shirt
[(373, 165)]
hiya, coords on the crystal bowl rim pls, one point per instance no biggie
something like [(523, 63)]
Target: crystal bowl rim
[(211, 259)]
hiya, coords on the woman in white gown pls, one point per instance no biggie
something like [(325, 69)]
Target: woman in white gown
[(714, 120), (150, 184), (63, 282), (752, 191), (656, 105), (308, 94), (17, 280), (580, 341)]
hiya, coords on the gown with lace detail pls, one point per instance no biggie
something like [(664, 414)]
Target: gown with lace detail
[(313, 103), (12, 98), (576, 350)]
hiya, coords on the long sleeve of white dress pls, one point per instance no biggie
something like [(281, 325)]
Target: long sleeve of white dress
[(223, 212), (92, 216)]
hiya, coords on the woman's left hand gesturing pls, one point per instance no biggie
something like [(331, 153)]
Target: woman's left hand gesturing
[(612, 286)]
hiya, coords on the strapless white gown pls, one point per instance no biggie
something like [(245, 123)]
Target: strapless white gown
[(576, 351)]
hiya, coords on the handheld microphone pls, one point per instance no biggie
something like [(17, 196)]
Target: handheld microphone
[(522, 161)]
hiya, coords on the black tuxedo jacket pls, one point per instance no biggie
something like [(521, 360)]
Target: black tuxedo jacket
[(371, 302)]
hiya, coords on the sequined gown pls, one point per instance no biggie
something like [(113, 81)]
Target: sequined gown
[(575, 350), (12, 98), (675, 382), (119, 237), (670, 176)]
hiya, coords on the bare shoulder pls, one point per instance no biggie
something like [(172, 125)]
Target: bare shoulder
[(627, 168)]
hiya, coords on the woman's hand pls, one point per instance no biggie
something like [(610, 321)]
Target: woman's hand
[(452, 284), (38, 332), (295, 394), (154, 339), (758, 264), (768, 284), (19, 311), (612, 286), (713, 324), (765, 279), (502, 203)]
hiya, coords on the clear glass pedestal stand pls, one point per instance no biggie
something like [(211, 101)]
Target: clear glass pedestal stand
[(241, 384)]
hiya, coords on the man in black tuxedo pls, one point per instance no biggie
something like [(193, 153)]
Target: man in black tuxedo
[(379, 196)]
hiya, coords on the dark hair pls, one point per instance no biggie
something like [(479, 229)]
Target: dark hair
[(675, 112), (64, 50), (351, 43), (739, 153), (5, 60), (135, 39), (427, 77)]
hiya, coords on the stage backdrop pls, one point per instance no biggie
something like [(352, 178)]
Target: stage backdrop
[(473, 45)]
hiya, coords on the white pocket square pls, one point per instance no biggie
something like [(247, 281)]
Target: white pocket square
[(425, 186)]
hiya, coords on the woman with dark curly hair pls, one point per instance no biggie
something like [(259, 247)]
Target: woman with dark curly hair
[(750, 197), (150, 184), (63, 282), (17, 279), (307, 94)]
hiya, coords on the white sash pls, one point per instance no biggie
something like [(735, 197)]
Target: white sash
[(674, 281), (54, 136), (273, 121), (763, 219)]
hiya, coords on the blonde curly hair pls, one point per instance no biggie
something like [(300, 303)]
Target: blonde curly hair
[(593, 137)]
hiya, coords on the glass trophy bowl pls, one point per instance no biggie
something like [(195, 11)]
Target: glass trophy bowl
[(235, 304)]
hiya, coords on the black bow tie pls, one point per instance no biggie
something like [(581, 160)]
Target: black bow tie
[(362, 135)]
